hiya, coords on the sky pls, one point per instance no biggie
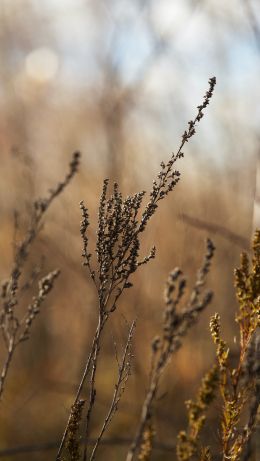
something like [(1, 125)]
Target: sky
[(195, 37)]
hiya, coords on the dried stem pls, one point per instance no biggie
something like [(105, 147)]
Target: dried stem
[(124, 371), (252, 371), (79, 391), (176, 324), (15, 329), (234, 389), (118, 251)]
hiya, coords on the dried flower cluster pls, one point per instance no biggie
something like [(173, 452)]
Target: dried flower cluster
[(146, 444), (238, 391), (205, 454), (238, 387), (72, 441), (45, 286), (121, 222), (16, 327), (176, 324), (168, 178), (188, 444), (117, 245)]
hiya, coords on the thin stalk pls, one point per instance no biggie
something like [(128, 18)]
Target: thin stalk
[(82, 382), (92, 392), (117, 392), (6, 365)]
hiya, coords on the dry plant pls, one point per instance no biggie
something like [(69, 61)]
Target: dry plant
[(124, 370), (236, 390), (188, 443), (176, 324), (121, 222), (238, 387), (16, 327)]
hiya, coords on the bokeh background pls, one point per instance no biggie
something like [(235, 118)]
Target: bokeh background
[(118, 80)]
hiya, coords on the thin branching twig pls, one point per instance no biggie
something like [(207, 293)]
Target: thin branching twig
[(176, 325), (124, 370), (118, 252), (235, 390), (14, 327)]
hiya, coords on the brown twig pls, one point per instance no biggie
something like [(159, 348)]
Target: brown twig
[(124, 370), (214, 228), (79, 391), (175, 327), (13, 328), (118, 248), (252, 371), (235, 390)]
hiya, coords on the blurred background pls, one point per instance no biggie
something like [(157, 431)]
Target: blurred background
[(119, 80)]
